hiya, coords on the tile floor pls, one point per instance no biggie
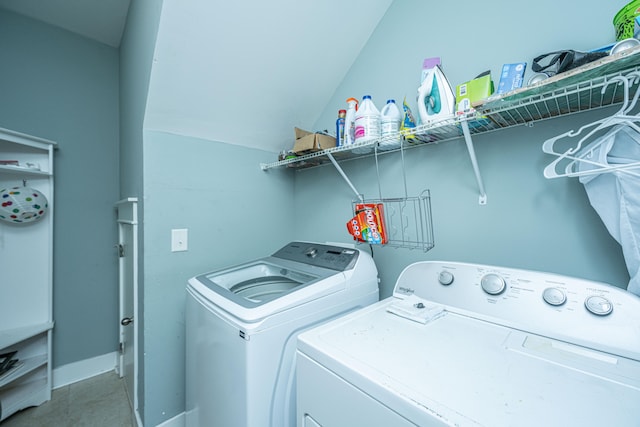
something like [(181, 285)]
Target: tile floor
[(100, 401)]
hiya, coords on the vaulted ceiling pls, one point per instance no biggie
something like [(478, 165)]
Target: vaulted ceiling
[(242, 73)]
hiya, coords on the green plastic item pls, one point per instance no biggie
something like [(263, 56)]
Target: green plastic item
[(624, 21)]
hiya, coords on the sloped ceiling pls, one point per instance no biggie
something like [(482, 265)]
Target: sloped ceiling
[(246, 73), (239, 72)]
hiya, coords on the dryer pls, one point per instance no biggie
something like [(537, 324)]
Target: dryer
[(472, 345), (242, 323)]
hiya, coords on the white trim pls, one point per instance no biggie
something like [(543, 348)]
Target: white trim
[(177, 421), (138, 419), (83, 369)]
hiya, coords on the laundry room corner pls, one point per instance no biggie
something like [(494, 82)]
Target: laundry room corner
[(212, 190)]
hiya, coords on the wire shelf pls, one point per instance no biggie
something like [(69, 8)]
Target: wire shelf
[(570, 92)]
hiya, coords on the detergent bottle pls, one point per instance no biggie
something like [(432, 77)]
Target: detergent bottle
[(350, 121), (340, 127), (390, 118), (367, 124)]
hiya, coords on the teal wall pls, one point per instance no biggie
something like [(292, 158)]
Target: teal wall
[(136, 57), (234, 212), (217, 191), (529, 222), (63, 87)]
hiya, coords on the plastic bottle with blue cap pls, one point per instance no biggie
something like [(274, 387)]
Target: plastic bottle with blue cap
[(390, 118), (367, 124)]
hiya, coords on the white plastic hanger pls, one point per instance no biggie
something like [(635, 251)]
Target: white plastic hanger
[(622, 119)]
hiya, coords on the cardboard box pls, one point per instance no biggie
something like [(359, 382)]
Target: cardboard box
[(470, 94), (307, 142)]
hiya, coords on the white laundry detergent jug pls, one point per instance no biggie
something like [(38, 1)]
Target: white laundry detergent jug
[(367, 124), (390, 118)]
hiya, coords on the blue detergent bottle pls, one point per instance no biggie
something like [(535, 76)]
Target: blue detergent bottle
[(340, 127)]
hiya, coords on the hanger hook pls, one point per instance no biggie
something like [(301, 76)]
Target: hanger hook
[(620, 80), (633, 78)]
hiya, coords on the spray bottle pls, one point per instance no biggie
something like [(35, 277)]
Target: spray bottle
[(350, 121)]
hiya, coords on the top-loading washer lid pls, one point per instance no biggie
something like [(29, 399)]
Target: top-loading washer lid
[(257, 282), (294, 266)]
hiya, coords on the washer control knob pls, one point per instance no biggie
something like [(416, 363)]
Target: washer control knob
[(311, 252), (598, 305), (493, 284), (554, 296), (445, 278)]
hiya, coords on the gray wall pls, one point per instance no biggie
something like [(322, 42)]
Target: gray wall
[(234, 212), (528, 222), (63, 87), (136, 56)]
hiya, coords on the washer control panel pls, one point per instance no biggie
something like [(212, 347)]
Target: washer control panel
[(567, 308), (325, 256)]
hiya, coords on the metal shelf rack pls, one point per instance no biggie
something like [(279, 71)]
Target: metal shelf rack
[(407, 220), (574, 91)]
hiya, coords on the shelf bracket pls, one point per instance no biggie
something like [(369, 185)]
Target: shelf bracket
[(474, 161), (344, 176)]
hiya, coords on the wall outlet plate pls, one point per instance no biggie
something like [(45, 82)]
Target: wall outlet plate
[(179, 239)]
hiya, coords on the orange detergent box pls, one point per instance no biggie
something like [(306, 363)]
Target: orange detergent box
[(368, 224)]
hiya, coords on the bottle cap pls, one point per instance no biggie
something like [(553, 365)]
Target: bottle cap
[(366, 97), (355, 102), (391, 101), (342, 111)]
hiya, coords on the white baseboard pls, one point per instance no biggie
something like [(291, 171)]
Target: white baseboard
[(83, 369), (177, 421)]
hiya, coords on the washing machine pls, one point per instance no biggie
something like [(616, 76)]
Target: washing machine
[(242, 323), (472, 345)]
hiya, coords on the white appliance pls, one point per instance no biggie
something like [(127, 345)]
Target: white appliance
[(242, 323), (475, 345)]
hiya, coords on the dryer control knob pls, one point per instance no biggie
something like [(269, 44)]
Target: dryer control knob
[(598, 305), (445, 278), (554, 296), (493, 284)]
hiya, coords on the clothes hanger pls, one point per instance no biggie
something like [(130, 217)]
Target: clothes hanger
[(588, 157), (589, 151), (622, 119), (548, 145)]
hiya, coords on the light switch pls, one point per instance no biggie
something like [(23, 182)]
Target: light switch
[(179, 239)]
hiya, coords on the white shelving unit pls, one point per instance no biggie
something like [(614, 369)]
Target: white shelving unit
[(574, 91), (26, 319)]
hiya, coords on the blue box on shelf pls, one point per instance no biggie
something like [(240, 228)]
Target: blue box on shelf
[(511, 77)]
